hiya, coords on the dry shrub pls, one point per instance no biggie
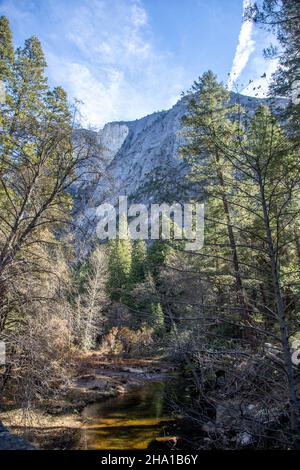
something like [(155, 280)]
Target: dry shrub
[(238, 401), (88, 312), (125, 341), (40, 359), (119, 314)]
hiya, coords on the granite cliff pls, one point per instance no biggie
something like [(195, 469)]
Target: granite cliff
[(140, 159)]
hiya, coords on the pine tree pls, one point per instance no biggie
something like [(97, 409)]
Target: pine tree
[(119, 264), (157, 316), (273, 167), (207, 129), (260, 181), (6, 75), (138, 265), (156, 255), (6, 50)]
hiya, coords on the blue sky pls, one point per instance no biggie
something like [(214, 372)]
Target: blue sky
[(127, 58)]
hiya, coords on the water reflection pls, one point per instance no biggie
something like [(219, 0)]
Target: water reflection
[(130, 421)]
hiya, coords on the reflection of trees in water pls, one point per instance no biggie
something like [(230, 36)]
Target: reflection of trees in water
[(130, 421)]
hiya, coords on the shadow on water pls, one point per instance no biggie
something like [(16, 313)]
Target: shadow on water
[(132, 420)]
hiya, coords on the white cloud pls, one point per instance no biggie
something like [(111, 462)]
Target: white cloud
[(117, 72), (98, 100), (111, 97), (139, 15), (245, 47), (103, 53)]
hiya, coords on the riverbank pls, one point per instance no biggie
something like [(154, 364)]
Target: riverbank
[(57, 423)]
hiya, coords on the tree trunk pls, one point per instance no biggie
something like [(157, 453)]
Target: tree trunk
[(235, 259)]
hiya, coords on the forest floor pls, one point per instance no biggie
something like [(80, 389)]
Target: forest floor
[(57, 423)]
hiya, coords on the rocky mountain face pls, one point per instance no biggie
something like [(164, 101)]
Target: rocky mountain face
[(140, 159)]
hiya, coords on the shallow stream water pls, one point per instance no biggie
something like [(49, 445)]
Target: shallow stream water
[(133, 420)]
